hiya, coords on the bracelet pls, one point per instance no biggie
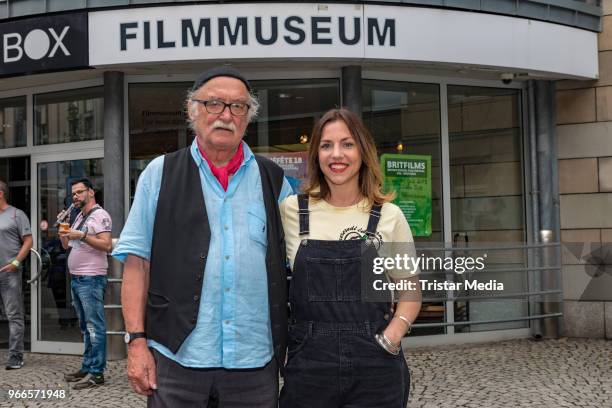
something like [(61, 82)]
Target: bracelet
[(84, 236), (15, 262), (406, 321), (386, 344)]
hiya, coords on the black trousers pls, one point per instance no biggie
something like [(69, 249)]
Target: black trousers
[(342, 368), (179, 386)]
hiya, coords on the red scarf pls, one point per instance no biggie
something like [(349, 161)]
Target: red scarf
[(223, 173)]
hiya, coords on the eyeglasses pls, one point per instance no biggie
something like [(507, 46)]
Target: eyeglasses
[(216, 106), (79, 192)]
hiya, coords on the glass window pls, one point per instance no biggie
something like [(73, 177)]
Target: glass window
[(56, 316), (287, 114), (13, 122), (404, 118), (158, 124), (487, 194), (69, 116), (15, 171), (288, 111)]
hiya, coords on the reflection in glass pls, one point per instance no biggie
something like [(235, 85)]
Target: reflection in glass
[(158, 124), (13, 122), (404, 118), (288, 112), (57, 319), (487, 194), (69, 116)]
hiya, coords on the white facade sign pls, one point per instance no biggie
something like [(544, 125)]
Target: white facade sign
[(339, 31)]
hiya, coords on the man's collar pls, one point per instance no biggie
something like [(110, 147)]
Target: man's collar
[(197, 157), (92, 207)]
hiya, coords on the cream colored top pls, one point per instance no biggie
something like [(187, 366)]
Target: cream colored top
[(342, 223)]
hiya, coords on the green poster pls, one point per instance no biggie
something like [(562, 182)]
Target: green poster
[(410, 177)]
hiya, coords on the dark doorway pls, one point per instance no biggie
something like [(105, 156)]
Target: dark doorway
[(15, 171)]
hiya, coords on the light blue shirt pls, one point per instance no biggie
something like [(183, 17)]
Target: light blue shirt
[(233, 327)]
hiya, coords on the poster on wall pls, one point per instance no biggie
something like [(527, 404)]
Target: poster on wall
[(295, 165), (410, 177)]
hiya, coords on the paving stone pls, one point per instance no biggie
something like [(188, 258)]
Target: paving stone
[(520, 373)]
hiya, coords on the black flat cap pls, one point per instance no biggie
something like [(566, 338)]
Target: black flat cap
[(220, 71)]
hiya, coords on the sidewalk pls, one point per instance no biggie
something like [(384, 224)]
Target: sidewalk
[(519, 373)]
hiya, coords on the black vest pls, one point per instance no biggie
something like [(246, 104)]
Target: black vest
[(181, 237)]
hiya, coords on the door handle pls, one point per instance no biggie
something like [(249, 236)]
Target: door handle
[(36, 277)]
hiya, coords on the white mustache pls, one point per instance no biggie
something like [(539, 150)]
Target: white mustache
[(218, 124)]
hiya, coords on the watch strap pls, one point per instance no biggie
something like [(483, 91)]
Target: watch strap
[(136, 335)]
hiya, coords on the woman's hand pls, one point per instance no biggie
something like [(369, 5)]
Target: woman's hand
[(395, 331)]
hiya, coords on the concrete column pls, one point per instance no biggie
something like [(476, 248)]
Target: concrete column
[(114, 153), (114, 187), (351, 88)]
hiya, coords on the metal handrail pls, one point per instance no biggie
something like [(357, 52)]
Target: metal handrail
[(496, 270), (487, 248), (470, 322), (502, 296), (36, 277)]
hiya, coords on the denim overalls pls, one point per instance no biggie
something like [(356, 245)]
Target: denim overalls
[(333, 358)]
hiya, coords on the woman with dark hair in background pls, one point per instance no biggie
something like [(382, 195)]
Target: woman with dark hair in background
[(344, 351)]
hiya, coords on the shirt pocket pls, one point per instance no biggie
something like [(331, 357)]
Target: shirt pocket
[(258, 230)]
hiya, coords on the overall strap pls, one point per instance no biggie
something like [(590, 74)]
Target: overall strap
[(303, 214), (373, 220)]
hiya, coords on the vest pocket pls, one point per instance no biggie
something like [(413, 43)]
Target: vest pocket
[(333, 279), (157, 301)]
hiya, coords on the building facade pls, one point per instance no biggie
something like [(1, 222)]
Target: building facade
[(98, 89), (584, 140)]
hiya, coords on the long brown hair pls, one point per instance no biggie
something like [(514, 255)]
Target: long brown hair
[(370, 176)]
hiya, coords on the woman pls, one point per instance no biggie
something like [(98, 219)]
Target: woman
[(343, 351)]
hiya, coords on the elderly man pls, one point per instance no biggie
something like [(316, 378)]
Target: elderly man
[(15, 244), (204, 290)]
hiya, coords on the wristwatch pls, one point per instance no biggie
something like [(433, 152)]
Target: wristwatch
[(129, 337)]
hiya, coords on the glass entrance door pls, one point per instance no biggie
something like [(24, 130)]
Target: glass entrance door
[(15, 171), (55, 327)]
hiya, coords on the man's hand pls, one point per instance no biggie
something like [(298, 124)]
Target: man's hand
[(141, 368), (72, 234), (9, 267)]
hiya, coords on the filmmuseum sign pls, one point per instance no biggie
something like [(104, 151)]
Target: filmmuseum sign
[(340, 31), (231, 31)]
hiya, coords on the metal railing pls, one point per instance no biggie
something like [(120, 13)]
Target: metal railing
[(115, 346), (537, 271), (532, 273)]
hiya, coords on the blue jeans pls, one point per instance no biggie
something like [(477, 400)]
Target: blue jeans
[(88, 302), (12, 300)]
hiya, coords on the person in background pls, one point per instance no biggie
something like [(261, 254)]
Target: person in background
[(89, 239), (15, 245)]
